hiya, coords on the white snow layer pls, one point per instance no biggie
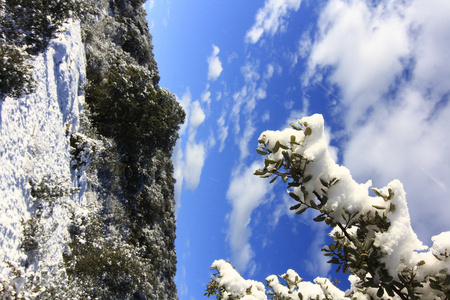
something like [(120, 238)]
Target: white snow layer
[(399, 242), (34, 146)]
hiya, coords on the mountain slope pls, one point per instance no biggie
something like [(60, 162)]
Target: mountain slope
[(87, 191), (35, 151)]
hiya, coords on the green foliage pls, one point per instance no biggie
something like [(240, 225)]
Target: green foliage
[(15, 75), (107, 267), (135, 229), (213, 288), (127, 107)]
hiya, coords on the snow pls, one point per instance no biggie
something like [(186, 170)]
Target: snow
[(441, 243), (235, 284), (34, 146)]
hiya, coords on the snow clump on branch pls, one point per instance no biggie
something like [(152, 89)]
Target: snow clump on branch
[(371, 228)]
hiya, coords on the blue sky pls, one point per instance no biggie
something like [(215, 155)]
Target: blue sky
[(378, 71)]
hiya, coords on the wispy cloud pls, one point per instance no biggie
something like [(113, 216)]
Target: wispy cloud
[(245, 100), (189, 155), (206, 95), (244, 140), (150, 4), (390, 63), (245, 193), (214, 64), (303, 48), (223, 131), (271, 18)]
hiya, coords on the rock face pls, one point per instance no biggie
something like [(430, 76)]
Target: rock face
[(87, 204)]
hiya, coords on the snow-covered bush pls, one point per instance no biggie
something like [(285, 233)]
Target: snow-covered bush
[(83, 150), (372, 235), (13, 283), (49, 189), (26, 28)]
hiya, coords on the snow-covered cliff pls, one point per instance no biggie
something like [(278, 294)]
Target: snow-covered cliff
[(35, 134), (86, 178)]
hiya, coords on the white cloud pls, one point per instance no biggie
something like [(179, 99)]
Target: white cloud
[(232, 57), (245, 193), (365, 46), (390, 63), (195, 152), (261, 93), (303, 49), (250, 91), (188, 162), (245, 101), (211, 140), (197, 116), (409, 143), (271, 18), (218, 96), (214, 64), (177, 155), (430, 48), (180, 279), (195, 159), (250, 71)]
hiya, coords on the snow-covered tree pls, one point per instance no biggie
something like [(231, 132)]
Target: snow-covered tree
[(372, 236)]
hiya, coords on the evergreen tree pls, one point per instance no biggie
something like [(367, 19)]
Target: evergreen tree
[(139, 121)]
